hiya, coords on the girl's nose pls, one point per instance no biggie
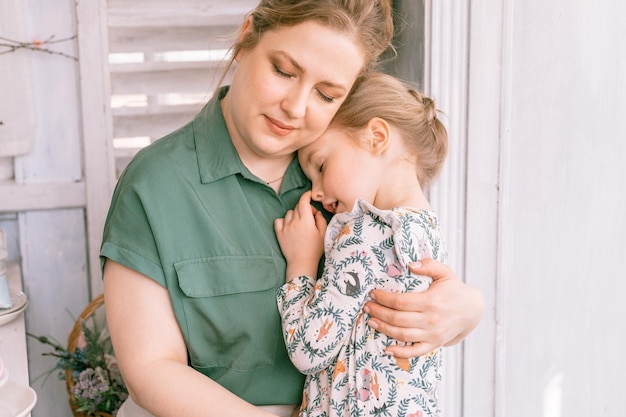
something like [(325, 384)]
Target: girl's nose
[(317, 194)]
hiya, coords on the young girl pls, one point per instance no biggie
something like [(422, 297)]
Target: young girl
[(369, 168)]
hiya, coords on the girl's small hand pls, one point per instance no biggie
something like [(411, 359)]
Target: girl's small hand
[(440, 316), (301, 238)]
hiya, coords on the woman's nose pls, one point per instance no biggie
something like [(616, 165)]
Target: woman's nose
[(294, 103)]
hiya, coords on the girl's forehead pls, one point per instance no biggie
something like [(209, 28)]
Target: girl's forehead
[(313, 150)]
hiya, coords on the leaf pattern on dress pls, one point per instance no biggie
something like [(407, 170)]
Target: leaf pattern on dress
[(326, 331)]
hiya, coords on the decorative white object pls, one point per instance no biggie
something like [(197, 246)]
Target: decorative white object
[(5, 295), (19, 303)]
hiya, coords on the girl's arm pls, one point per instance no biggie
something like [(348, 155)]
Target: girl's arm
[(443, 315), (316, 315), (319, 315), (152, 355)]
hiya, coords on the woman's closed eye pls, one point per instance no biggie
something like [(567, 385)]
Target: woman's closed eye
[(278, 71), (283, 74), (325, 97)]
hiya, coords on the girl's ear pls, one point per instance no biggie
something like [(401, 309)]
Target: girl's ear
[(379, 133), (246, 28)]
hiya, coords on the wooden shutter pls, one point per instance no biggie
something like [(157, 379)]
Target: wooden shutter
[(166, 57)]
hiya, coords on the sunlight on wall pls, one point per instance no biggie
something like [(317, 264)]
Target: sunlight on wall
[(553, 397)]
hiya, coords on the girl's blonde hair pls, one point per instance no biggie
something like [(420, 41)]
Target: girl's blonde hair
[(368, 22), (409, 112)]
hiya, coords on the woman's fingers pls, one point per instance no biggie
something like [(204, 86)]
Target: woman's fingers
[(410, 351), (442, 315), (431, 268)]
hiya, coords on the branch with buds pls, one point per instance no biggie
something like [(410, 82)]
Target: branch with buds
[(9, 45)]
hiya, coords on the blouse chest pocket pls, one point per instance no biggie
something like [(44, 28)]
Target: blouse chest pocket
[(229, 313)]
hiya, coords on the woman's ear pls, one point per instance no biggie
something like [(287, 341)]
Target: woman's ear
[(246, 28), (379, 133)]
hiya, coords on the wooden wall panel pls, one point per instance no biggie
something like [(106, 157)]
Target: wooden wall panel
[(546, 142), (563, 203)]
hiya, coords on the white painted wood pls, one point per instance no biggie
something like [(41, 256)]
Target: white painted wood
[(187, 13), (546, 143), (502, 282), (91, 26), (23, 197), (54, 265), (446, 83), (171, 78), (563, 204), (156, 39), (160, 92), (52, 243), (17, 118), (483, 181), (163, 67), (153, 124)]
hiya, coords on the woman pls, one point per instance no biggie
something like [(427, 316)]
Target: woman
[(191, 262)]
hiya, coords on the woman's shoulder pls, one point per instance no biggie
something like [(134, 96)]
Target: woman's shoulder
[(161, 155)]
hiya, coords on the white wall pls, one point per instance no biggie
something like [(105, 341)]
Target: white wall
[(547, 145)]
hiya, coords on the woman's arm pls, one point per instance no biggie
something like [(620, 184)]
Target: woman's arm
[(152, 355), (443, 315)]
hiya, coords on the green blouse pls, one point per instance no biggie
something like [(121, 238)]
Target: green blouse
[(188, 214)]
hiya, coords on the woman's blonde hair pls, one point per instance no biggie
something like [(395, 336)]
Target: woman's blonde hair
[(409, 112), (368, 22)]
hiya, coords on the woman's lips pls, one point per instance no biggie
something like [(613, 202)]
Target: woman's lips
[(277, 127)]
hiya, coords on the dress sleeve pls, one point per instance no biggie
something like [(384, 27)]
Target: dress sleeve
[(318, 316)]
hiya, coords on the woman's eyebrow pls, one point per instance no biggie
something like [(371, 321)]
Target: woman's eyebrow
[(291, 60)]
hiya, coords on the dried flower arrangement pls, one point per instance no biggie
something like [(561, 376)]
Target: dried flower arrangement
[(88, 366)]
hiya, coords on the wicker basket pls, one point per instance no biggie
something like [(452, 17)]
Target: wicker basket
[(72, 342)]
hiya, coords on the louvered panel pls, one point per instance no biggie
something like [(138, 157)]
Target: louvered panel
[(172, 38), (155, 78), (166, 59), (156, 122), (168, 13), (122, 158)]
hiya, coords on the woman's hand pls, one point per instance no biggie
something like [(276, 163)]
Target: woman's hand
[(440, 316)]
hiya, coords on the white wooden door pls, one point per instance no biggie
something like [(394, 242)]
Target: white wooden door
[(544, 229)]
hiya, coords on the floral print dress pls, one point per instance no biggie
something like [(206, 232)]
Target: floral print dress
[(326, 331)]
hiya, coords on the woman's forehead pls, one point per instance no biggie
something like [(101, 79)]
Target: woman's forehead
[(311, 46)]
